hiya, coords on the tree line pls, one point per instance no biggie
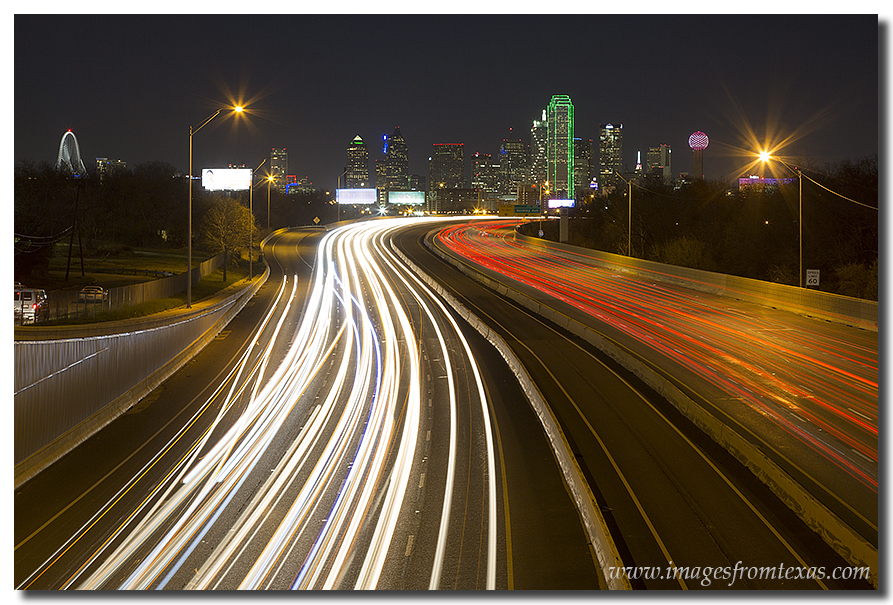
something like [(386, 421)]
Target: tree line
[(707, 225), (145, 207)]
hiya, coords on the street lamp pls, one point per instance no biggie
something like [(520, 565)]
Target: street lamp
[(270, 179), (765, 157), (337, 187), (543, 189), (629, 236), (251, 223), (192, 131)]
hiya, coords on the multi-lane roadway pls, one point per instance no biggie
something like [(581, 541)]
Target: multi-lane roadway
[(349, 431), (341, 434)]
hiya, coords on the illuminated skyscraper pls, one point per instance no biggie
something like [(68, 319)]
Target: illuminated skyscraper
[(447, 166), (538, 142), (610, 153), (485, 173), (357, 176), (582, 163), (560, 146), (658, 162), (381, 180), (397, 160), (513, 164), (279, 167)]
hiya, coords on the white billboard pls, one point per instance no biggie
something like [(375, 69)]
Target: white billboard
[(561, 203), (356, 196), (411, 198), (226, 179)]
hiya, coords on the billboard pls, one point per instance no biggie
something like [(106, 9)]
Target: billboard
[(412, 198), (226, 179), (356, 196), (561, 203)]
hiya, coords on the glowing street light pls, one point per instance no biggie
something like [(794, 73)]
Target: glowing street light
[(270, 179), (192, 131), (765, 157)]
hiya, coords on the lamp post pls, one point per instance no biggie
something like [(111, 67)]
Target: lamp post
[(337, 187), (251, 223), (192, 131), (270, 179), (629, 236), (543, 188), (765, 157)]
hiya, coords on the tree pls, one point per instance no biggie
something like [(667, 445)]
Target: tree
[(226, 227), (685, 252)]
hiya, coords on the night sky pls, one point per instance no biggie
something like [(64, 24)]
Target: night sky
[(130, 86)]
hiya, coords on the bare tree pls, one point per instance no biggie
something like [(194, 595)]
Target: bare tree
[(226, 227)]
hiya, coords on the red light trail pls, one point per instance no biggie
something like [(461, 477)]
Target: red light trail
[(760, 361)]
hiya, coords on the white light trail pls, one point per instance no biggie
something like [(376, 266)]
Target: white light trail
[(346, 472)]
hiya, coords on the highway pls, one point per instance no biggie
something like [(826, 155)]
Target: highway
[(672, 496), (341, 433), (349, 431), (807, 388)]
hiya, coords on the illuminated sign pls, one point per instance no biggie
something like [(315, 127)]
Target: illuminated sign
[(561, 203), (518, 210), (356, 196), (226, 179), (411, 198)]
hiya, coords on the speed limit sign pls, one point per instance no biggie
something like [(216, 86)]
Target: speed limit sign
[(812, 277)]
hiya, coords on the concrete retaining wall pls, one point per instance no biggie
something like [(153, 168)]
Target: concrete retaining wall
[(70, 381), (593, 521), (813, 303)]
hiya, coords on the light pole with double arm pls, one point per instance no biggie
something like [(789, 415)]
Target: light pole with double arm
[(192, 131)]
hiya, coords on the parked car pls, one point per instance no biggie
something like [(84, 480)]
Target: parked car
[(93, 294), (30, 305)]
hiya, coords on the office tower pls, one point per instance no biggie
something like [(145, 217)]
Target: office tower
[(538, 140), (357, 176), (610, 153), (381, 180), (447, 166), (658, 162), (279, 167), (698, 142), (484, 173), (582, 163), (560, 147), (513, 164), (397, 160), (417, 182)]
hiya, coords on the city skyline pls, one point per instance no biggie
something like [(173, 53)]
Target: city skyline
[(738, 93)]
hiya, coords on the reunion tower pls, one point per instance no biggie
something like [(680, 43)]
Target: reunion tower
[(698, 142)]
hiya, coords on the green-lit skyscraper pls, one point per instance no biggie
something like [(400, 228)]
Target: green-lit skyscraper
[(560, 147)]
